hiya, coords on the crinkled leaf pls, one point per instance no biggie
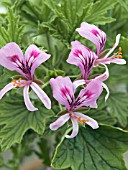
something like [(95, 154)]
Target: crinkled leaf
[(16, 120), (93, 150)]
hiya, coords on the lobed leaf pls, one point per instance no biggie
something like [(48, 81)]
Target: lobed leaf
[(15, 120), (92, 150)]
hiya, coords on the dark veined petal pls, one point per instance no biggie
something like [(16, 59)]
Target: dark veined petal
[(11, 56), (63, 90), (34, 57), (94, 34), (82, 57), (89, 95)]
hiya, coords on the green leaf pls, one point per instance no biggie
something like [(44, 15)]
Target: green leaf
[(70, 13), (92, 150), (14, 31), (118, 107), (98, 10), (16, 120)]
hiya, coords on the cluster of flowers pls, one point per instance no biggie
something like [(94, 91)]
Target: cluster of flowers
[(11, 57)]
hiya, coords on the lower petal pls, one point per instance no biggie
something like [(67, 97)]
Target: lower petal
[(107, 90), (78, 83), (59, 122), (42, 95), (6, 89), (74, 130), (91, 122), (27, 101)]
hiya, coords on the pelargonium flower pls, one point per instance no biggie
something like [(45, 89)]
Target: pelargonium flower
[(85, 59), (82, 57), (98, 37), (11, 57), (63, 92)]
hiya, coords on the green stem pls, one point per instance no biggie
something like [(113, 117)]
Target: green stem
[(74, 76), (44, 68), (44, 85), (60, 107)]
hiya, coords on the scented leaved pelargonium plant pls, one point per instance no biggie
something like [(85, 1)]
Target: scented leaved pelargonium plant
[(76, 127)]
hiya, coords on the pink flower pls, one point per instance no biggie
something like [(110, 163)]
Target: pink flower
[(82, 57), (98, 37), (63, 92), (11, 57)]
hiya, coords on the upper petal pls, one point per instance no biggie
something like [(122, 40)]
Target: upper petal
[(89, 95), (34, 57), (63, 90), (42, 95), (27, 101), (74, 129), (94, 34), (59, 122), (91, 122), (6, 89), (10, 56), (82, 57)]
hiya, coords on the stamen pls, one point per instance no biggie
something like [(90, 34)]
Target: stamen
[(80, 120), (118, 54), (17, 83)]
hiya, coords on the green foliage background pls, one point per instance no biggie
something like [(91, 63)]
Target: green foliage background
[(51, 24)]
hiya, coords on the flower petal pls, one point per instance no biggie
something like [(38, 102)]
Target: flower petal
[(74, 130), (107, 90), (78, 83), (94, 34), (42, 95), (8, 55), (6, 89), (91, 122), (114, 47), (111, 60), (105, 75), (63, 90), (34, 57), (27, 101), (59, 122), (82, 57), (89, 95)]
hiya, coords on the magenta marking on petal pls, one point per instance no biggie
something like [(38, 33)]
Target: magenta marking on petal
[(88, 94), (34, 53), (14, 58), (65, 91), (95, 32), (77, 52)]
